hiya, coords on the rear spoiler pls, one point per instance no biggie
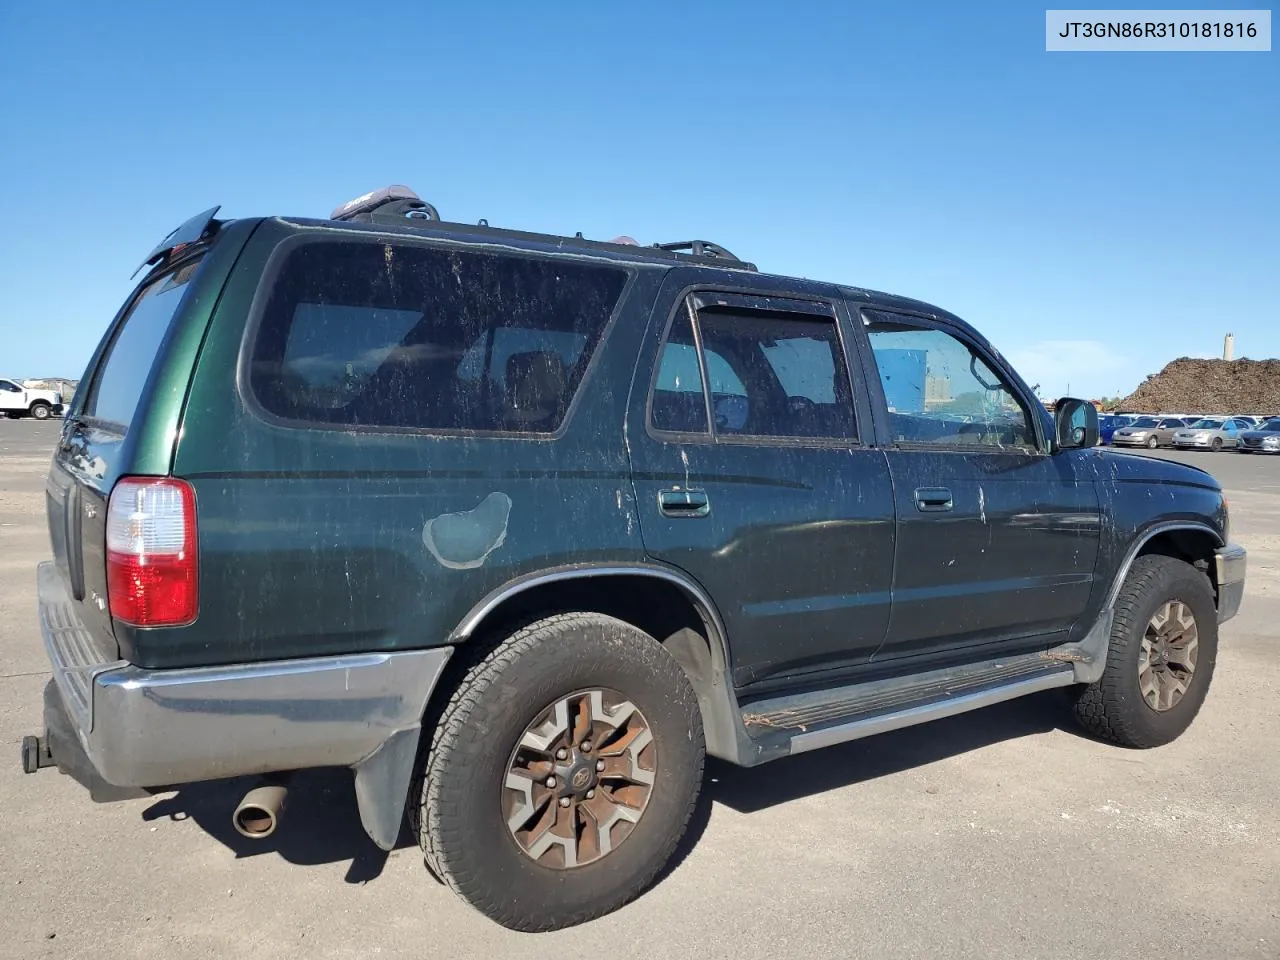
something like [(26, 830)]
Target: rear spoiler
[(193, 231)]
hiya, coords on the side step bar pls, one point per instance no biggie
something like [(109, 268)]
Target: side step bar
[(799, 723)]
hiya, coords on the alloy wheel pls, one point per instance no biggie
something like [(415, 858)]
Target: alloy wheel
[(579, 779), (1167, 658)]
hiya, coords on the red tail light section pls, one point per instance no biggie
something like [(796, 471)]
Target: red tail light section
[(151, 552)]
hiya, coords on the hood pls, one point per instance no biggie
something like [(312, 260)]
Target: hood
[(1260, 434), (1118, 467)]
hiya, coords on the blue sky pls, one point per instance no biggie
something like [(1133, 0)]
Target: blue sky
[(1096, 215)]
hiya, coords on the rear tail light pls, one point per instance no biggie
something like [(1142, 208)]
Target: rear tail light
[(151, 552)]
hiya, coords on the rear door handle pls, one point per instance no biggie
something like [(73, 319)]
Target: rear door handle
[(684, 503), (932, 499)]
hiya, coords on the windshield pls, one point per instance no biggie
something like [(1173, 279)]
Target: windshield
[(1207, 424), (1144, 422), (1272, 424)]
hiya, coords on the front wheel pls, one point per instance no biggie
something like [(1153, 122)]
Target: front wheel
[(1164, 643), (562, 773), (1216, 446), (1152, 443)]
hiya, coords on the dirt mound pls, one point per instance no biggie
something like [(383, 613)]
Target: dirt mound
[(1210, 386)]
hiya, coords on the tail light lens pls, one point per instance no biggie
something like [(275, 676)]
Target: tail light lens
[(151, 552)]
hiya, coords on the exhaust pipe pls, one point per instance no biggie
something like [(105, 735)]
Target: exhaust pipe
[(259, 812)]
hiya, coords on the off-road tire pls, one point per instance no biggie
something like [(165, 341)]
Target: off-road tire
[(40, 410), (1113, 708), (460, 825)]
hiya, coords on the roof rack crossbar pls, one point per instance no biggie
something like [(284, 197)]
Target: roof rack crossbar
[(698, 248)]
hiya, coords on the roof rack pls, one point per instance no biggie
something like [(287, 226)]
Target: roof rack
[(397, 203), (699, 248)]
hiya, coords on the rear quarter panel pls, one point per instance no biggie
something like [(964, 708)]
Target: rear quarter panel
[(320, 541)]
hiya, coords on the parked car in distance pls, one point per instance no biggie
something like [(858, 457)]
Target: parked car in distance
[(1108, 424), (17, 401), (1211, 433), (1149, 432), (520, 528), (1265, 439)]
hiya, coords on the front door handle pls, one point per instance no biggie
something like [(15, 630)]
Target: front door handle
[(684, 503), (933, 499)]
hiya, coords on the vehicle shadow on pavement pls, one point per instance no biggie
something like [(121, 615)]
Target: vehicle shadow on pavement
[(748, 790), (322, 825)]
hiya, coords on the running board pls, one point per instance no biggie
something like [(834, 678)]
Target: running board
[(799, 723)]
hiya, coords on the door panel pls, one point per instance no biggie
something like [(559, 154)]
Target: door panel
[(997, 539), (1009, 564), (792, 537)]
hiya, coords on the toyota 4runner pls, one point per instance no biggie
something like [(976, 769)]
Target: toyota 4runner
[(518, 527)]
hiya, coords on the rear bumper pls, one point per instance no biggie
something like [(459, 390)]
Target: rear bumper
[(1231, 563), (133, 727)]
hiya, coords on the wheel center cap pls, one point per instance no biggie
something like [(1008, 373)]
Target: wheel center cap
[(581, 778)]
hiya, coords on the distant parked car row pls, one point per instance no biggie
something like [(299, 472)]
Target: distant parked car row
[(1246, 434), (1264, 439)]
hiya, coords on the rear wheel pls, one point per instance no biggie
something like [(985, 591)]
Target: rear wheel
[(40, 410), (562, 773), (1164, 643)]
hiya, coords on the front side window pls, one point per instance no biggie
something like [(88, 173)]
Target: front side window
[(940, 392), (7, 387), (383, 335)]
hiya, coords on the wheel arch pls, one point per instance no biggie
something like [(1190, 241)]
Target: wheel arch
[(664, 602), (1194, 543)]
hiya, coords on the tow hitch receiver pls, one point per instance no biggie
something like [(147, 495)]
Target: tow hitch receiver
[(36, 754)]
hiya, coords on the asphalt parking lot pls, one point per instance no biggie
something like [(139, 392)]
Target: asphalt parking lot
[(1002, 833)]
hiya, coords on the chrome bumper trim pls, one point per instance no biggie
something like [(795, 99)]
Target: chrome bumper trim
[(150, 728), (1231, 565)]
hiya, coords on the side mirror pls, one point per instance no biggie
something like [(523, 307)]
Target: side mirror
[(1075, 424)]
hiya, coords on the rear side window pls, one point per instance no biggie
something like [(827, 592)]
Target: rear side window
[(770, 374), (123, 372), (378, 335), (789, 376)]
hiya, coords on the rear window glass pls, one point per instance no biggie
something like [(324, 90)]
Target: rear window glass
[(407, 336), (123, 372)]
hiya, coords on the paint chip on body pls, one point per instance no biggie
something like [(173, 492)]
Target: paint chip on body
[(464, 540)]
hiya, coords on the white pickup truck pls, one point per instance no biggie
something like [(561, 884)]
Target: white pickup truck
[(17, 401)]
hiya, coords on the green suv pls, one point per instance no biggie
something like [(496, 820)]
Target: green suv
[(519, 527)]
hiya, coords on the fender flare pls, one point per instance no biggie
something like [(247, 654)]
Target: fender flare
[(1089, 654)]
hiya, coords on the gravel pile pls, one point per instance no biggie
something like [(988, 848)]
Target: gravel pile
[(1211, 386)]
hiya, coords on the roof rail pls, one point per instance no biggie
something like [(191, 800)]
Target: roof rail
[(397, 203)]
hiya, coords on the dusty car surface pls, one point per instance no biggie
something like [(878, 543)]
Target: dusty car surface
[(1211, 433), (1264, 439), (1149, 432), (520, 527)]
